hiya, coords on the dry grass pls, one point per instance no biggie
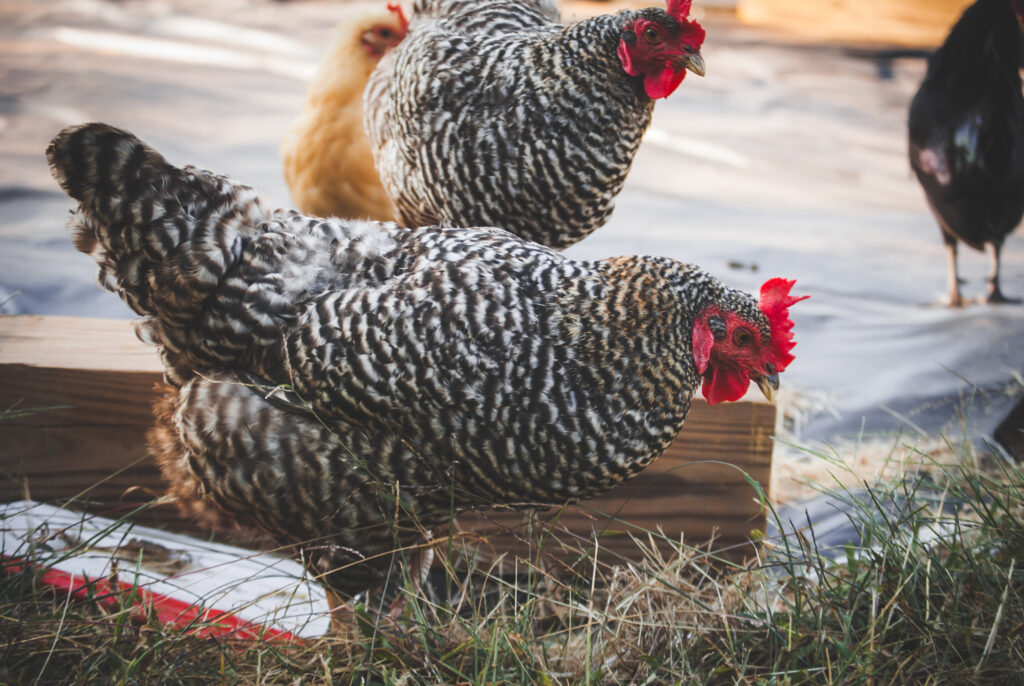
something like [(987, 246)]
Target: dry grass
[(935, 595)]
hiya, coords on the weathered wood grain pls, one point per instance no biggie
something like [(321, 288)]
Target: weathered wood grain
[(922, 23), (77, 396)]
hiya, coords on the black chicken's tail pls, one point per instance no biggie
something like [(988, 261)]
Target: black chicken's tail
[(164, 237)]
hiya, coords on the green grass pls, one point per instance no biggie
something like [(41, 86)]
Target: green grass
[(936, 597)]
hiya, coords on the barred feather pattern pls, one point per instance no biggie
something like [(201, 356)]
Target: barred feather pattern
[(492, 114), (345, 385), (495, 17)]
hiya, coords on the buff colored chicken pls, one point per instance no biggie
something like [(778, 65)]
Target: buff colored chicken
[(327, 160)]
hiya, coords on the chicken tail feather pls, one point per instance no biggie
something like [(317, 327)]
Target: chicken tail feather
[(162, 236)]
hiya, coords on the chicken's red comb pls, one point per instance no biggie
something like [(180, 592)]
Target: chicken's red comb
[(775, 303), (679, 8), (397, 9)]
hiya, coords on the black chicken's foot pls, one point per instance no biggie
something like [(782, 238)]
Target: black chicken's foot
[(995, 293), (954, 299), (996, 297)]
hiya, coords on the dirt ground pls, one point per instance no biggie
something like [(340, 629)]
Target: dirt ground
[(788, 159)]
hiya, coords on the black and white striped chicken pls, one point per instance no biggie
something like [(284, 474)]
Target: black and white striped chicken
[(344, 385), (492, 114)]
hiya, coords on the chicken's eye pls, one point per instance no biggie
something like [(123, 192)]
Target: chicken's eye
[(742, 337), (651, 34), (384, 33)]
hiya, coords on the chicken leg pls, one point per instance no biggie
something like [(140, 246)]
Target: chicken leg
[(954, 298), (995, 293)]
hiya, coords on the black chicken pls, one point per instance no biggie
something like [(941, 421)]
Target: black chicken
[(967, 134)]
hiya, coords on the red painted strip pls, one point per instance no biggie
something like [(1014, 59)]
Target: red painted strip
[(207, 622)]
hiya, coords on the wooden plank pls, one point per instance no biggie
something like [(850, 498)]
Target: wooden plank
[(923, 23), (74, 343), (96, 382)]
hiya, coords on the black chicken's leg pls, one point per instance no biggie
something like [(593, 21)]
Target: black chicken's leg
[(995, 293), (953, 299)]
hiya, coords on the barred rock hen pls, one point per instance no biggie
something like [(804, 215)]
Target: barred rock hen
[(967, 135), (491, 114), (340, 384), (325, 154)]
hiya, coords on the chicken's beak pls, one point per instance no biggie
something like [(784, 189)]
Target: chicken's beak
[(768, 385), (692, 61)]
